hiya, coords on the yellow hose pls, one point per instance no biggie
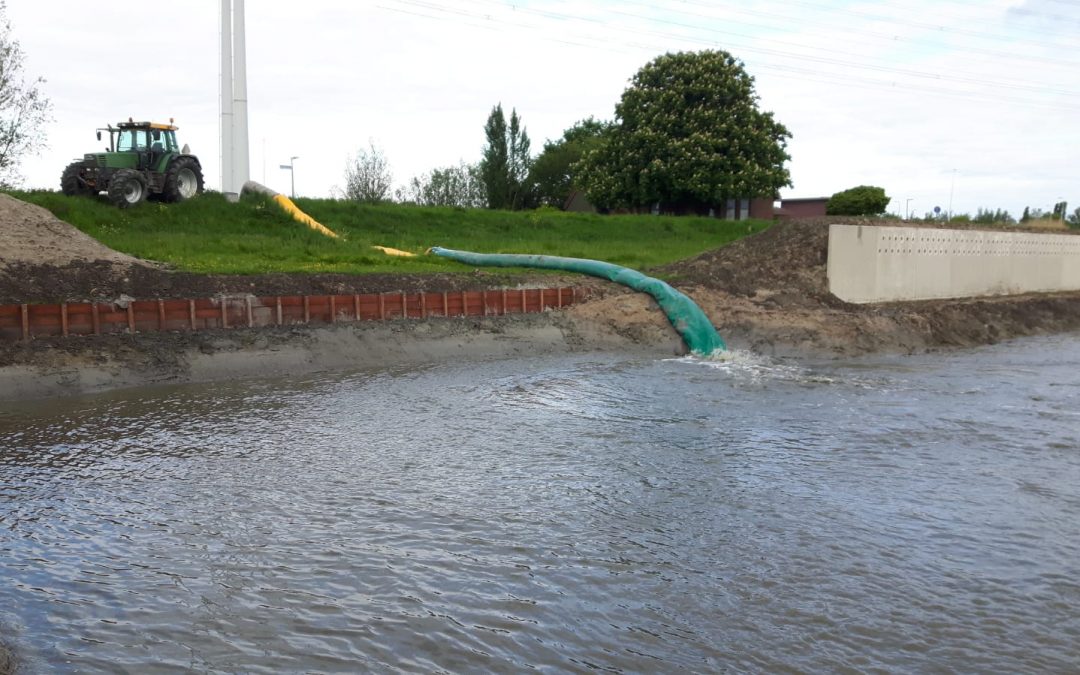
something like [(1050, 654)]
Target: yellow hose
[(298, 215), (397, 253), (287, 205)]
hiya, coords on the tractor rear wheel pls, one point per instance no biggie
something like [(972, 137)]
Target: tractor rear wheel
[(183, 180), (71, 183), (127, 188)]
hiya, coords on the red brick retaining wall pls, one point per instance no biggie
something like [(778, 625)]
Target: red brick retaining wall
[(25, 322)]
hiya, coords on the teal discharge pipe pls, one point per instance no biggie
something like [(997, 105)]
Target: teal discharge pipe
[(685, 316)]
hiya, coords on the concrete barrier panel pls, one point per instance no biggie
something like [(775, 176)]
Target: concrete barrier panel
[(873, 263)]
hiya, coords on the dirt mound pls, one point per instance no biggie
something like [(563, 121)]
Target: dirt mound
[(30, 235), (784, 265)]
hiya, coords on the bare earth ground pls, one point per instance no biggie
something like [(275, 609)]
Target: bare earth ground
[(767, 293)]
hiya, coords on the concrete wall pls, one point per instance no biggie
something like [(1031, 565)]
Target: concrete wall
[(882, 264)]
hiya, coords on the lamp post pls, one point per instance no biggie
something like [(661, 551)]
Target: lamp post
[(952, 187), (292, 174), (907, 208)]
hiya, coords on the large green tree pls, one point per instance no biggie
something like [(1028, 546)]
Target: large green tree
[(24, 108), (504, 167), (553, 174), (688, 136)]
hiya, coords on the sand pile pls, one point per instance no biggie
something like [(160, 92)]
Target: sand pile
[(30, 235)]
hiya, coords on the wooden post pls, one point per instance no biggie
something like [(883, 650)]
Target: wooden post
[(224, 313), (524, 301), (423, 305), (382, 307), (356, 307), (483, 300), (160, 315), (25, 322), (307, 309), (446, 304), (191, 314), (131, 316), (558, 296), (464, 304), (280, 315), (503, 311), (63, 319), (250, 314)]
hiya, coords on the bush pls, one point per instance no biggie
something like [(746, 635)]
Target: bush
[(864, 200)]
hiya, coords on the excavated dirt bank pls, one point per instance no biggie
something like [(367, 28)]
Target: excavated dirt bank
[(767, 293)]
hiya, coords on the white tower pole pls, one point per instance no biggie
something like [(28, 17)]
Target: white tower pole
[(226, 102), (241, 156)]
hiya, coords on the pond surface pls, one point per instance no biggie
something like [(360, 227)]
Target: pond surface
[(579, 513)]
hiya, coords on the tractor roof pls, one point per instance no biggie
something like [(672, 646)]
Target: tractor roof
[(147, 125)]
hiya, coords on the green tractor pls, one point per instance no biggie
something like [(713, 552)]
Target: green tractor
[(142, 161)]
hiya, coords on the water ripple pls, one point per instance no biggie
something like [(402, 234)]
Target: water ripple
[(572, 514)]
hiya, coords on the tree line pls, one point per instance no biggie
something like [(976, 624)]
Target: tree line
[(687, 137)]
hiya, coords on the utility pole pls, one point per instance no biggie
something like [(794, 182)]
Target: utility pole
[(907, 209), (292, 174), (952, 187), (233, 124)]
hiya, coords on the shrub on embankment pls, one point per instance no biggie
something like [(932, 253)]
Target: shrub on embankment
[(210, 235)]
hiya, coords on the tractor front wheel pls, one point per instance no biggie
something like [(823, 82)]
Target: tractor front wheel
[(127, 188), (183, 180), (72, 183)]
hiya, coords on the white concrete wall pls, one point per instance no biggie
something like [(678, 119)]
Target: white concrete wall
[(871, 263)]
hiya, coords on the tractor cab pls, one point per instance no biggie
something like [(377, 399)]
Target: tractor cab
[(148, 142)]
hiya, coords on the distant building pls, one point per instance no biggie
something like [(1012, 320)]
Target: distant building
[(578, 202), (733, 209), (806, 207)]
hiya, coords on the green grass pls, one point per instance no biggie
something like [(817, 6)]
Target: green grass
[(208, 234)]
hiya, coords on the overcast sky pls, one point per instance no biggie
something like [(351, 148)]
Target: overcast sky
[(973, 102)]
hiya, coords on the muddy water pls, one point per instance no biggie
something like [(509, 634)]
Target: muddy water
[(571, 513)]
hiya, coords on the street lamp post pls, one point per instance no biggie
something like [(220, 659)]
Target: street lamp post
[(952, 187), (292, 174)]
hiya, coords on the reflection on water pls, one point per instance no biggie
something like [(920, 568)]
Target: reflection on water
[(573, 513)]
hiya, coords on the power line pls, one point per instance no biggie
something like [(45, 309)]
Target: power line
[(776, 52), (813, 75), (908, 22), (874, 37)]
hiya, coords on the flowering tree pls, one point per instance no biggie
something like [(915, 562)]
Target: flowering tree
[(688, 136)]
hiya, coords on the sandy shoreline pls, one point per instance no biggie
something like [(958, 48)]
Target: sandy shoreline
[(54, 367), (615, 321)]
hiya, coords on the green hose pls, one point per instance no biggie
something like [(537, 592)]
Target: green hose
[(685, 316)]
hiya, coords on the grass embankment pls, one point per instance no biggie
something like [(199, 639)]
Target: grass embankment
[(210, 235)]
